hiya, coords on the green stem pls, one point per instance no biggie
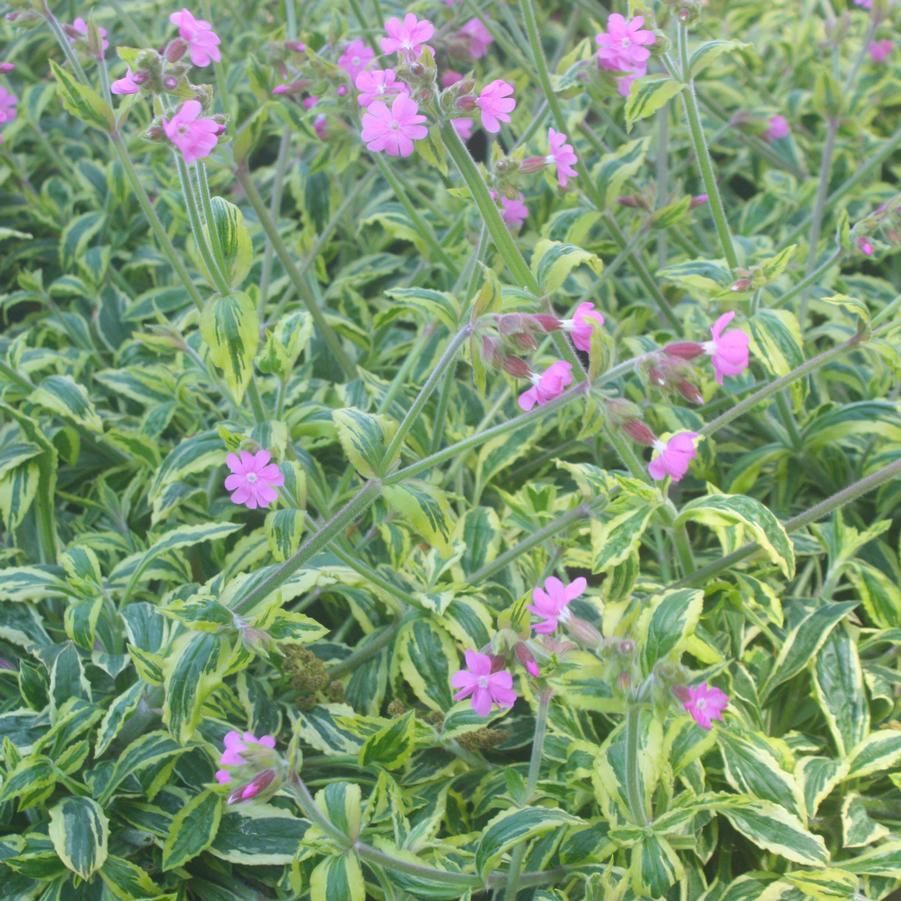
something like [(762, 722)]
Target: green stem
[(818, 511), (633, 773), (372, 649), (683, 548), (296, 278), (702, 153), (206, 203), (810, 278)]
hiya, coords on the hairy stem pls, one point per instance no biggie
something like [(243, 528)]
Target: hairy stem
[(633, 771)]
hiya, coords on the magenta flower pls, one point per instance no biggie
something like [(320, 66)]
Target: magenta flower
[(356, 57), (236, 745), (81, 27), (126, 84), (406, 37), (551, 602), (242, 755), (879, 50), (729, 351), (377, 84), (496, 103), (463, 127), (485, 687), (672, 457), (864, 246), (393, 130), (320, 124), (580, 326), (706, 703), (549, 384), (478, 36), (624, 46), (203, 42), (450, 77), (513, 209), (777, 128), (527, 659), (8, 102), (11, 67), (193, 136), (562, 155), (866, 4), (309, 102), (253, 479)]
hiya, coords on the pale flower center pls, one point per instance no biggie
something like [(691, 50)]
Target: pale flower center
[(252, 477), (355, 61), (659, 446), (564, 615), (709, 348), (626, 43), (395, 126), (701, 703), (550, 159), (483, 682)]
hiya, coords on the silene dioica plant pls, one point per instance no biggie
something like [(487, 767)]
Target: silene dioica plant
[(449, 450)]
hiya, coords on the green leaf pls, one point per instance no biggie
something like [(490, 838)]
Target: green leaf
[(553, 261), (192, 455), (707, 277), (877, 753), (341, 803), (62, 395), (364, 438), (617, 167), (425, 509), (667, 622), (148, 750), (726, 510), (230, 327), (438, 305), (853, 305), (392, 746), (776, 341), (30, 583), (647, 95), (868, 417), (230, 234), (655, 866), (614, 540), (839, 689), (31, 781), (258, 835), (193, 829), (709, 52), (79, 831), (127, 881), (883, 860), (338, 877), (427, 657), (511, 827), (18, 488), (82, 101), (774, 829), (283, 531), (858, 827), (116, 714)]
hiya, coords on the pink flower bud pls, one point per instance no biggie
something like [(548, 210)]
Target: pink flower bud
[(583, 632), (532, 164), (685, 350), (681, 692), (252, 789), (467, 103), (864, 246), (175, 50), (516, 367), (698, 200), (527, 659), (547, 323), (689, 391), (628, 201), (656, 375), (639, 432), (626, 647), (296, 46), (741, 284)]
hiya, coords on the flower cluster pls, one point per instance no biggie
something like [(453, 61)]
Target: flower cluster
[(623, 48), (253, 763)]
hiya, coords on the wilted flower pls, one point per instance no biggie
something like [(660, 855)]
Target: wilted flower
[(672, 457), (705, 703), (551, 602), (393, 130), (406, 37), (729, 350), (194, 136), (496, 102), (580, 326), (546, 386), (253, 479), (487, 688), (356, 57), (777, 128), (203, 42)]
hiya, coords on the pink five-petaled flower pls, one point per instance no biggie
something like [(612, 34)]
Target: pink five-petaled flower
[(562, 155), (624, 46), (377, 84), (551, 602), (777, 128), (879, 50), (479, 37), (729, 351), (202, 40), (193, 136), (393, 130), (485, 687), (8, 103), (80, 26), (496, 103), (406, 37), (705, 703), (253, 479), (549, 384), (356, 57), (672, 457), (463, 127), (513, 209), (580, 326), (126, 84)]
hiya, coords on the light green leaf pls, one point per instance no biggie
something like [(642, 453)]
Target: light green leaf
[(79, 831), (774, 829), (230, 327), (193, 829), (258, 835), (341, 803), (338, 878), (647, 95), (425, 509), (82, 101), (439, 305), (127, 881), (709, 52), (392, 746), (283, 531), (839, 689), (853, 305), (858, 827), (427, 657), (30, 782), (667, 622), (18, 488), (614, 540), (64, 396), (655, 866), (553, 261), (617, 167), (231, 236), (145, 751), (707, 277), (877, 753), (364, 438)]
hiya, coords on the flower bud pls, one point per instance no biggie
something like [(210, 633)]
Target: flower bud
[(548, 323), (697, 201), (632, 202), (639, 432), (864, 246), (7, 67), (583, 632), (742, 284), (526, 658), (656, 375), (532, 164), (689, 391), (516, 367), (175, 50), (681, 692), (685, 350), (296, 46), (626, 647), (254, 788), (467, 103), (170, 83)]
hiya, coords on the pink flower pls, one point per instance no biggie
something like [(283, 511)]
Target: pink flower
[(485, 687), (81, 27), (729, 351), (479, 37), (248, 757), (10, 67), (463, 127), (193, 136), (236, 745), (549, 384), (377, 84), (203, 42), (126, 84), (706, 703), (310, 102), (864, 246), (879, 50), (580, 326), (8, 103), (356, 57), (561, 154), (672, 458), (319, 126), (777, 127), (624, 83), (406, 37), (866, 4), (450, 77), (513, 210), (253, 479), (551, 602), (623, 47), (496, 103), (393, 130), (526, 658)]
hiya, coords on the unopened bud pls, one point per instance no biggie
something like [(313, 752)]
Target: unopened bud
[(516, 367), (685, 350), (175, 50), (628, 201), (532, 164), (583, 632), (467, 103), (865, 247), (639, 432), (254, 788), (548, 323), (623, 681), (7, 67), (626, 647), (526, 658), (741, 284), (170, 83), (698, 200), (655, 374), (681, 692), (689, 391), (296, 46)]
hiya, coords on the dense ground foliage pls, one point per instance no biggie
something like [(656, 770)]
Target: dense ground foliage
[(449, 451)]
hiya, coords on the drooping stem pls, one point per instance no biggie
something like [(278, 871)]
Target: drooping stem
[(634, 797), (295, 276), (702, 153)]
